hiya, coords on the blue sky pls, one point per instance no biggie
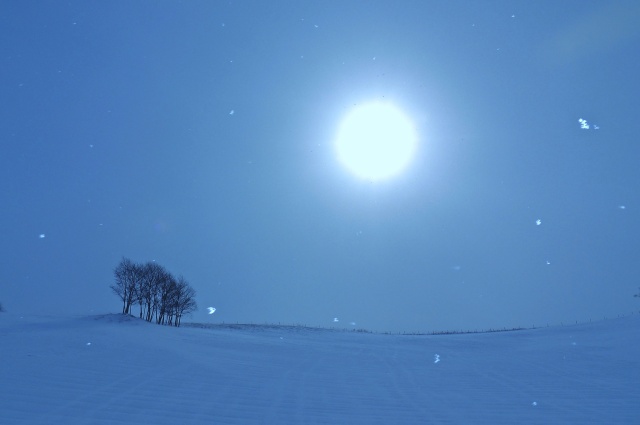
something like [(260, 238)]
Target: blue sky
[(118, 140)]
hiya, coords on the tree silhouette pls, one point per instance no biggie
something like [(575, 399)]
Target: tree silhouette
[(162, 298), (151, 277), (185, 300), (126, 275)]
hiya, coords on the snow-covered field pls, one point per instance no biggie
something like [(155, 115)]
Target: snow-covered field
[(113, 369)]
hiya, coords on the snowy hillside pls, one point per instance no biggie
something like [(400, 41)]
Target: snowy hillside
[(119, 370)]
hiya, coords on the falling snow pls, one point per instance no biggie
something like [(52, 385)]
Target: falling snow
[(583, 124), (586, 126)]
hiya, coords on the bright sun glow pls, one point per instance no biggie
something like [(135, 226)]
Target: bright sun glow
[(376, 141)]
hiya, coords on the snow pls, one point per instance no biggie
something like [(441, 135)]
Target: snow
[(115, 369), (583, 124)]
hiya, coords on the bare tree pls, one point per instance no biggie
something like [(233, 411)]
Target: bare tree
[(166, 295), (126, 275), (185, 300), (161, 297), (152, 276)]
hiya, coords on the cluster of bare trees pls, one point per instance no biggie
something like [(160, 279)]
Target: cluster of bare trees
[(162, 298)]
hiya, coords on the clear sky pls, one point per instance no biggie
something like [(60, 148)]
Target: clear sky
[(201, 135)]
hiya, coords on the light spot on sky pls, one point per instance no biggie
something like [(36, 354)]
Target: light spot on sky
[(41, 235), (376, 141), (583, 124), (539, 222)]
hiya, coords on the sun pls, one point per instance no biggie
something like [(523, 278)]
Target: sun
[(376, 141)]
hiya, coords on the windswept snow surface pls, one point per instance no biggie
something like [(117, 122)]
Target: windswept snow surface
[(115, 370)]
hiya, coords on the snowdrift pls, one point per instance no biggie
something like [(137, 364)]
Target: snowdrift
[(115, 369)]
